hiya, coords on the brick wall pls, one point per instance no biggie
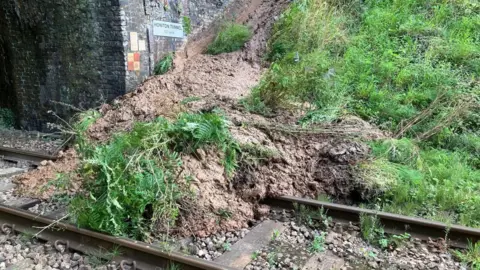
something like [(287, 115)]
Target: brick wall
[(68, 51)]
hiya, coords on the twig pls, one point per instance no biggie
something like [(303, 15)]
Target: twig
[(49, 226)]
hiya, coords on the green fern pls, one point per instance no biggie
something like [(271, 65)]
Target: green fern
[(164, 65), (130, 182)]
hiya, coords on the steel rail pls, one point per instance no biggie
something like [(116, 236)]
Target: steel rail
[(458, 236), (19, 155), (132, 253)]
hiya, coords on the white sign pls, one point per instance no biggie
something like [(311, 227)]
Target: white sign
[(168, 29), (141, 45)]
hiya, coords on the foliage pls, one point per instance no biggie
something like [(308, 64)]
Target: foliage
[(164, 65), (275, 235), (318, 243), (410, 67), (272, 258), (231, 38), (132, 181), (314, 218), (470, 256), (226, 246), (373, 232), (187, 25), (7, 118), (430, 183), (255, 255)]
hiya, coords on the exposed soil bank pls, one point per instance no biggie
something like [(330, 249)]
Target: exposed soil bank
[(305, 162)]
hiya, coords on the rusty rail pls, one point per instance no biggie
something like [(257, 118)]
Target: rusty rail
[(16, 155), (132, 253), (458, 236)]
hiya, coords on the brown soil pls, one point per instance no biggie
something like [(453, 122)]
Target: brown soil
[(38, 183), (308, 162)]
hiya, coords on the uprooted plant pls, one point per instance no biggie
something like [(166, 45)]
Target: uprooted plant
[(132, 183)]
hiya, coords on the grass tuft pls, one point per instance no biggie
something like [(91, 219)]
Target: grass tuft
[(232, 37)]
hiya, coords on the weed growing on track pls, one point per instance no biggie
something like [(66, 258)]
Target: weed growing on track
[(410, 67), (132, 181), (470, 256), (232, 37), (373, 232), (318, 243), (164, 65)]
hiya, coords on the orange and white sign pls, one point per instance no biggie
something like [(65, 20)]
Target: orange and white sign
[(134, 62)]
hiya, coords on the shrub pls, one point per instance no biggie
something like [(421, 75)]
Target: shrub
[(164, 65), (131, 182), (231, 38), (7, 118)]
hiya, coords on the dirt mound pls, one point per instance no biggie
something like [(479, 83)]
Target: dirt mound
[(303, 162), (38, 183)]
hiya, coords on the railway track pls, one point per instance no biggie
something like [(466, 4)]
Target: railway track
[(15, 155), (138, 255)]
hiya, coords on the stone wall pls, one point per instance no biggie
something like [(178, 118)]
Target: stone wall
[(61, 52)]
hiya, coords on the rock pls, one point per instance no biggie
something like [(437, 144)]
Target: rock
[(202, 252), (64, 266), (373, 265), (211, 246), (76, 257), (44, 163), (431, 265)]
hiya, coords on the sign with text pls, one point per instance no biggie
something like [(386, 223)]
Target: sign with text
[(167, 29)]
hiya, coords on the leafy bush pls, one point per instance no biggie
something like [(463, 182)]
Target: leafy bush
[(164, 65), (7, 118), (231, 38), (131, 182)]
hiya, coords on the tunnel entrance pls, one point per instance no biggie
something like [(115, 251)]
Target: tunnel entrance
[(8, 97)]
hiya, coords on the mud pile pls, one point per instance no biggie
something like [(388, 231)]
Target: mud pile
[(306, 162)]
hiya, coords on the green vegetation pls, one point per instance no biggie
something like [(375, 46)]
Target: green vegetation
[(314, 218), (187, 25), (470, 256), (272, 258), (164, 65), (434, 183), (318, 243), (255, 255), (132, 181), (373, 233), (231, 38), (226, 246), (275, 235), (97, 258), (410, 67), (7, 118)]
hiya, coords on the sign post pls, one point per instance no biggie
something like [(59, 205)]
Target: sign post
[(168, 29)]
